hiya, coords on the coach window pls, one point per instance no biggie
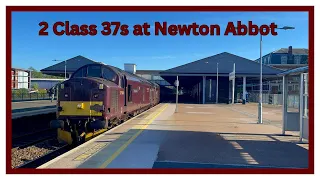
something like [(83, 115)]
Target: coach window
[(129, 93), (142, 94)]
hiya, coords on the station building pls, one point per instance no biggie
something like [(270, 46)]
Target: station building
[(286, 58), (20, 78), (208, 80)]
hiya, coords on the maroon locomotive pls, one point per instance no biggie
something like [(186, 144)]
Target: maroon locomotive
[(98, 97)]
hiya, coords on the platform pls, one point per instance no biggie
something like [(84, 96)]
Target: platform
[(31, 108), (197, 136)]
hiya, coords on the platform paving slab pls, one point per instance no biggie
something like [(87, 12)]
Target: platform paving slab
[(32, 104), (87, 156), (226, 137), (197, 135)]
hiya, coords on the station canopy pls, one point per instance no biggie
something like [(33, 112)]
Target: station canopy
[(295, 71), (72, 65), (208, 67)]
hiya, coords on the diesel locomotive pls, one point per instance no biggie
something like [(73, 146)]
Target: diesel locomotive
[(98, 97)]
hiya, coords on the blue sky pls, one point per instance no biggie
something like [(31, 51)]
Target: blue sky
[(148, 52)]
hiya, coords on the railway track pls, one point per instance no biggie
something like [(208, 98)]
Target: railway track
[(45, 158), (41, 137), (29, 139)]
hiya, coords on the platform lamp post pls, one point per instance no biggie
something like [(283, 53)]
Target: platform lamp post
[(261, 86), (176, 83), (65, 67)]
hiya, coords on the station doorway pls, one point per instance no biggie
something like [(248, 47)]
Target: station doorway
[(200, 89)]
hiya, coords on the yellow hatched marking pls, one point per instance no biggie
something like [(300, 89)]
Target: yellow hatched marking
[(248, 158), (236, 145), (90, 152), (92, 135), (125, 145)]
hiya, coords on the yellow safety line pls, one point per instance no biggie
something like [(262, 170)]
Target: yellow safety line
[(125, 145)]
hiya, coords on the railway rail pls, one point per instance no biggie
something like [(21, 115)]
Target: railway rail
[(36, 138), (39, 137), (47, 157), (29, 139)]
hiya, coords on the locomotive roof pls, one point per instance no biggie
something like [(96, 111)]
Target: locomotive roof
[(129, 76)]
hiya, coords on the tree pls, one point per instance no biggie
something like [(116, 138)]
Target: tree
[(35, 86), (20, 91)]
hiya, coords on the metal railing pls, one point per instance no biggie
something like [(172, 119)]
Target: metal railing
[(275, 99), (29, 96)]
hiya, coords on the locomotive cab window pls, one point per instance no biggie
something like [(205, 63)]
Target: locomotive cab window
[(80, 73), (129, 93), (110, 75), (94, 71)]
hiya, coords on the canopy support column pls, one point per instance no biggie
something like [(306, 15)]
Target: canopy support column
[(284, 103), (244, 97), (203, 89)]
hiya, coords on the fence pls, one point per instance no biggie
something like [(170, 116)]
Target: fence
[(275, 99), (29, 96)]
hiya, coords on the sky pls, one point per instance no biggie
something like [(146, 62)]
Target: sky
[(148, 52)]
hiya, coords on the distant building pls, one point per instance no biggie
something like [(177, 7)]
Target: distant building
[(75, 63), (71, 65), (197, 80), (20, 78), (286, 58), (153, 75), (44, 83)]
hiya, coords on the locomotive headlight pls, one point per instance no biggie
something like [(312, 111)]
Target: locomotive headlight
[(100, 86), (95, 95), (62, 86), (80, 106), (66, 95)]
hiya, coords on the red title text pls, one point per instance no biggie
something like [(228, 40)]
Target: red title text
[(66, 28)]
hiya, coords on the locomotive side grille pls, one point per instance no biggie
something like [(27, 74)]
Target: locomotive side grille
[(114, 100)]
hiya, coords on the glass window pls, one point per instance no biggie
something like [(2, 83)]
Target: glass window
[(122, 82), (146, 76), (108, 74), (142, 94), (284, 59), (297, 59), (80, 73), (157, 78), (129, 93), (94, 71)]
